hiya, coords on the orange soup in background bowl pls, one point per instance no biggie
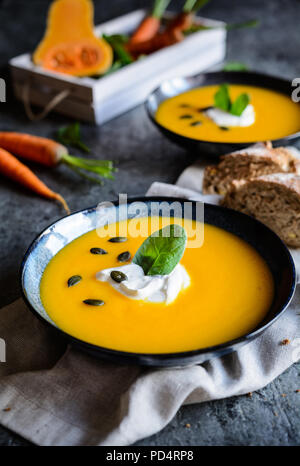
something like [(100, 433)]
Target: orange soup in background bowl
[(184, 109)]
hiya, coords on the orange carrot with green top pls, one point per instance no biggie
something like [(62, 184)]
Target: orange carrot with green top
[(173, 33), (150, 25), (185, 19), (51, 153), (34, 148), (12, 168), (160, 41)]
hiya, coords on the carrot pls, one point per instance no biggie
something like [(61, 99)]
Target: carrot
[(146, 30), (15, 170), (50, 153), (185, 19), (34, 148), (181, 22), (161, 40), (172, 34), (150, 25)]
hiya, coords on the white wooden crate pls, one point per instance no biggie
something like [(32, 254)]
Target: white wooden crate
[(100, 100)]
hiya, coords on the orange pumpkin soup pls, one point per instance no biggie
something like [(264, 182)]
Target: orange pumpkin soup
[(276, 115), (230, 292)]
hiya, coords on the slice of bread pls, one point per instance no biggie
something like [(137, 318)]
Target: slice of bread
[(273, 199), (256, 160)]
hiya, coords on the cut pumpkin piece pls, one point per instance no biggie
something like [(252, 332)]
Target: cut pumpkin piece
[(70, 45)]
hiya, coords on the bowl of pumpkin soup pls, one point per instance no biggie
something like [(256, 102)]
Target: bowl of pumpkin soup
[(145, 283), (216, 113)]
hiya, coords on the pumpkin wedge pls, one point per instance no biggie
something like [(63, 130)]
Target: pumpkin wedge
[(70, 45)]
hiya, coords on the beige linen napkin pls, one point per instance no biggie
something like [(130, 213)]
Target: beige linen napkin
[(54, 395)]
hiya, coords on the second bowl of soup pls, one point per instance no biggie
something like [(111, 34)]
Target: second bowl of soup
[(220, 112)]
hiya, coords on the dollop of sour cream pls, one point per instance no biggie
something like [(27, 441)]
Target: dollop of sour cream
[(226, 119), (155, 288)]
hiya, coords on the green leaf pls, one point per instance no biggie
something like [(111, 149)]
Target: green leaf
[(235, 66), (117, 42), (70, 135), (222, 101), (240, 104), (222, 98), (228, 27), (194, 5), (123, 38), (160, 252), (117, 65)]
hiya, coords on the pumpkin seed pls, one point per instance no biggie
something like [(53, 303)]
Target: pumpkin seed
[(118, 276), (204, 109), (186, 116), (124, 256), (74, 280), (196, 123), (224, 128), (118, 239), (94, 302), (98, 251)]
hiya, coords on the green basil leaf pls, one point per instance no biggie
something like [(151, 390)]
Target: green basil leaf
[(222, 98), (235, 66), (240, 104), (160, 252)]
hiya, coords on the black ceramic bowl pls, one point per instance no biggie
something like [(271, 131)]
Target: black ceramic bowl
[(176, 86), (56, 236)]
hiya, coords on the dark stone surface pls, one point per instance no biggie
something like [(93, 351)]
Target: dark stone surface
[(143, 156)]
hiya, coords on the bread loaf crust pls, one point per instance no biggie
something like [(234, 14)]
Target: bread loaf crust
[(256, 160), (273, 199)]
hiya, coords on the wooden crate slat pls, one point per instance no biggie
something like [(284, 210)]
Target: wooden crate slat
[(23, 70), (76, 109)]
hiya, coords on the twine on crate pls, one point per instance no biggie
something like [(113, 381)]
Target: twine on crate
[(56, 100)]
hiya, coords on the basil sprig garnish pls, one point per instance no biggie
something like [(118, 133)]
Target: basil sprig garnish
[(239, 105), (222, 100), (161, 252)]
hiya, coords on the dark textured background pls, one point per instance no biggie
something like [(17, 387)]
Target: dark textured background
[(143, 156)]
